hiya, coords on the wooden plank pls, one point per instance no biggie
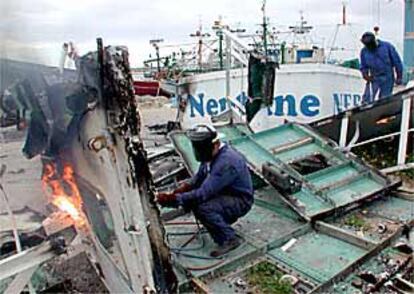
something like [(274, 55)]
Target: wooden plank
[(343, 235), (200, 286), (291, 145)]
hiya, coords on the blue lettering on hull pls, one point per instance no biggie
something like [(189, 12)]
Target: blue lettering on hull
[(345, 101), (201, 106), (284, 105)]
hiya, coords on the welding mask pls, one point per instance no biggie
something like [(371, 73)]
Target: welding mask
[(203, 137), (370, 41)]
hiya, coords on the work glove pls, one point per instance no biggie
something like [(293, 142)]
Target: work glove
[(183, 187), (167, 199), (368, 78)]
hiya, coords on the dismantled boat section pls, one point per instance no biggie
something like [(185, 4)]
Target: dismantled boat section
[(95, 176), (323, 221)]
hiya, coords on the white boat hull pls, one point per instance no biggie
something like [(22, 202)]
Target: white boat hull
[(303, 93)]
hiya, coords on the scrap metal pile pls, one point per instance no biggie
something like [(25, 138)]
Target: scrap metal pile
[(326, 221)]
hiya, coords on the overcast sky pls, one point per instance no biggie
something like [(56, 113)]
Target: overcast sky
[(34, 30)]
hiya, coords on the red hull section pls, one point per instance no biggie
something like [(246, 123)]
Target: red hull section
[(151, 88)]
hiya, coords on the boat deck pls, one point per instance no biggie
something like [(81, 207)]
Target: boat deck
[(321, 241)]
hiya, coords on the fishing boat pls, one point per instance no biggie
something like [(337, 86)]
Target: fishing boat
[(331, 86)]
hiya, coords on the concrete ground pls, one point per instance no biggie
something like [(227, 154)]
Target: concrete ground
[(21, 179)]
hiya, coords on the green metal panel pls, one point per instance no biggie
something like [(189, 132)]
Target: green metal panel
[(194, 257), (234, 131), (272, 138), (341, 183), (255, 155), (301, 152), (313, 205), (333, 174), (270, 199), (354, 190), (255, 226), (183, 145), (394, 208), (319, 256), (272, 222)]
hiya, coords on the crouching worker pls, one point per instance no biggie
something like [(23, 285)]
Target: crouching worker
[(220, 192)]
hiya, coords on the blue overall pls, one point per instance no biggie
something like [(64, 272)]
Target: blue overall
[(380, 64), (222, 192)]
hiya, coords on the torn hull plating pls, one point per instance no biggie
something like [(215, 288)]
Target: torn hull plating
[(109, 160), (91, 124)]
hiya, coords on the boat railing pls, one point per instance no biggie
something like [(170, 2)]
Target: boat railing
[(404, 134)]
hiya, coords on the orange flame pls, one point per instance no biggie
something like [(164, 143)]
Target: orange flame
[(53, 186), (64, 204)]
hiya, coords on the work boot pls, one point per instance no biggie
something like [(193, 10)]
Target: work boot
[(226, 247)]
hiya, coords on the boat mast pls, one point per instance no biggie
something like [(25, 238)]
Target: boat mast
[(338, 26), (199, 33), (155, 43), (220, 35), (221, 49), (343, 13), (264, 25)]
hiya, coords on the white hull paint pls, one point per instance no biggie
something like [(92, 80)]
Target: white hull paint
[(303, 93)]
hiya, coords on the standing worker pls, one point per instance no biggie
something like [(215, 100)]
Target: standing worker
[(220, 192), (380, 63)]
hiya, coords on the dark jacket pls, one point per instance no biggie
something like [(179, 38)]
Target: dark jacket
[(381, 61), (227, 174)]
